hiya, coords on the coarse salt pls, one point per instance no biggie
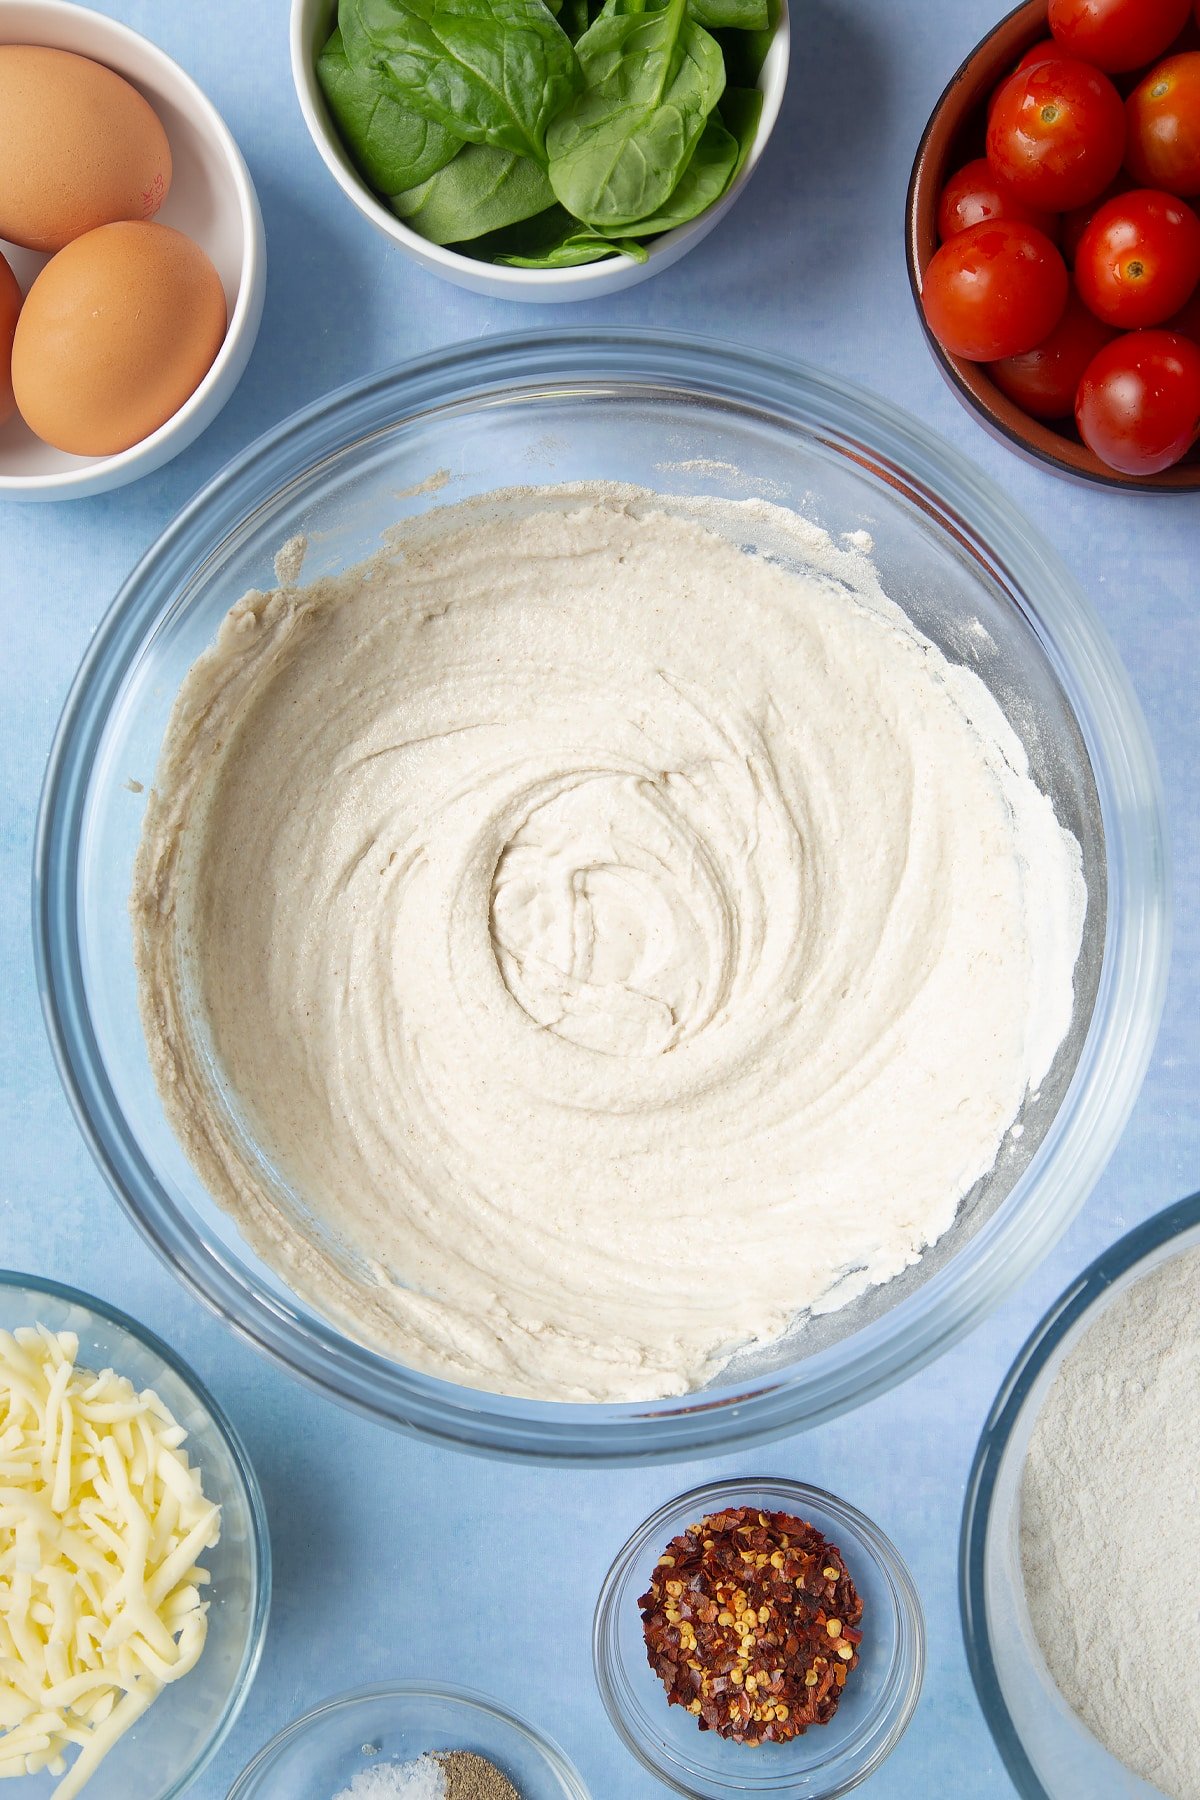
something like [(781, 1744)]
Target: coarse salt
[(423, 1779)]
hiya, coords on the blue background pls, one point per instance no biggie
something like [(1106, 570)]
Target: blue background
[(393, 1559)]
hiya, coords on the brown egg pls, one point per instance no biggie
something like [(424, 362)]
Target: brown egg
[(115, 334), (10, 306), (79, 147)]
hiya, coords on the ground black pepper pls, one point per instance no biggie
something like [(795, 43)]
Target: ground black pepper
[(471, 1777)]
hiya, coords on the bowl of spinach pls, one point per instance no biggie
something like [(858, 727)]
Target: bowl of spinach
[(541, 149)]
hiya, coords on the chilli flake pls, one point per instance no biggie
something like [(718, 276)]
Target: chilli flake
[(751, 1623)]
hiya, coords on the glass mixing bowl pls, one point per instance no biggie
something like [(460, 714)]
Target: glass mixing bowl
[(1049, 1753), (319, 1755), (825, 1761), (681, 416), (161, 1756)]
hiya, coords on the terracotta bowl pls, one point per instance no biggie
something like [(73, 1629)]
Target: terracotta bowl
[(954, 134)]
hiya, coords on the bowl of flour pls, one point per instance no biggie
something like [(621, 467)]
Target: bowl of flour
[(1081, 1534)]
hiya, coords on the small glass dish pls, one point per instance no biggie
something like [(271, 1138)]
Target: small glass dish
[(161, 1756), (1048, 1751), (317, 1756), (828, 1760)]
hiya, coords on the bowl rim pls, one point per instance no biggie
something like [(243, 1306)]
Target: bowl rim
[(14, 1279), (900, 453), (470, 1699), (951, 368), (573, 284), (803, 1497), (1076, 1300), (98, 471)]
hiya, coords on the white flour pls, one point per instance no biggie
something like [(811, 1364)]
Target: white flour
[(1110, 1528)]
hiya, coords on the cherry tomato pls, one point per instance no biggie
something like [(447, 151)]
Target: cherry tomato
[(994, 290), (1117, 34), (1162, 117), (1076, 222), (1044, 380), (1056, 134), (1139, 401), (974, 194), (1042, 51), (1139, 259), (1187, 320)]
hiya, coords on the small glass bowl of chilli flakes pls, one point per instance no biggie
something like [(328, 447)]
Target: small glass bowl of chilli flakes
[(750, 1622), (842, 1662)]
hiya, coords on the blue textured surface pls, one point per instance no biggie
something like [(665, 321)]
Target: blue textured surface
[(394, 1559)]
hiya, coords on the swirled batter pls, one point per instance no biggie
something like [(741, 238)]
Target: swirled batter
[(571, 946)]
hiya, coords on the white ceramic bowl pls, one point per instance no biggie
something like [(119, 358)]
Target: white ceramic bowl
[(312, 21), (212, 200)]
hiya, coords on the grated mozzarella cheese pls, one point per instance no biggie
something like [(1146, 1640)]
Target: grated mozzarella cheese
[(102, 1522)]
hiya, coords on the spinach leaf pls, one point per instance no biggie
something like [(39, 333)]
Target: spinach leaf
[(731, 15), (620, 147), (702, 183), (361, 51), (480, 191), (534, 236), (745, 52), (574, 18), (555, 240), (582, 246), (392, 147), (527, 237), (714, 15), (741, 113), (492, 71), (551, 240)]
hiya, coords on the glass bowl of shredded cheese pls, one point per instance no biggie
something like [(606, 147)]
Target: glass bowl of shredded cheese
[(409, 1740), (134, 1556)]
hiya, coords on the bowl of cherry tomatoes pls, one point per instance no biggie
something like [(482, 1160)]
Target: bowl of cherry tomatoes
[(1054, 237)]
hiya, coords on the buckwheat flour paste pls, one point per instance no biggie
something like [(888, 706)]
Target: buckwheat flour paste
[(614, 942), (1110, 1528)]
